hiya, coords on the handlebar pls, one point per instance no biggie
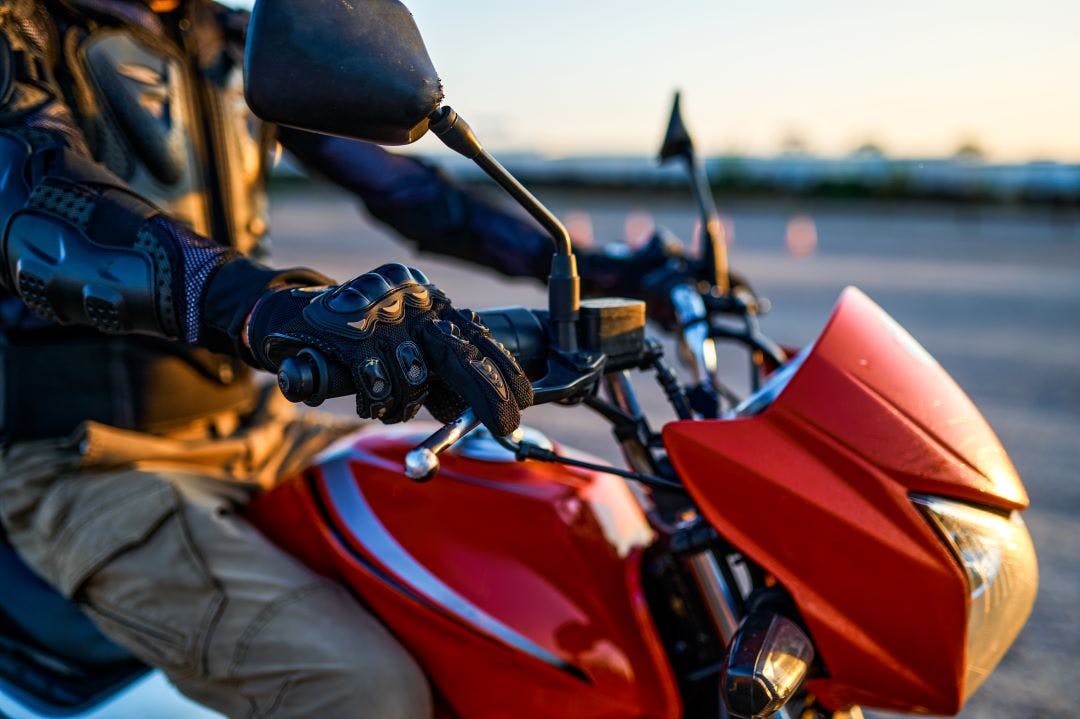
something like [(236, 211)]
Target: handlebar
[(611, 333), (523, 333), (611, 337), (307, 377)]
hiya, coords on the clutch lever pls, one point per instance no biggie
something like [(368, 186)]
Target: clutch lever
[(699, 355), (691, 315)]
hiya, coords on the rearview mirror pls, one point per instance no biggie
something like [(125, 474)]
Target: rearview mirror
[(677, 142), (355, 68)]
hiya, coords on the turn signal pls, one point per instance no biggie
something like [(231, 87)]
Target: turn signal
[(767, 663)]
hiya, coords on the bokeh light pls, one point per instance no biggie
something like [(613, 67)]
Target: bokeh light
[(638, 228), (580, 226), (801, 236)]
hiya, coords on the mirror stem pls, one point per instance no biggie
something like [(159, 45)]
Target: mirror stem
[(713, 245), (564, 290)]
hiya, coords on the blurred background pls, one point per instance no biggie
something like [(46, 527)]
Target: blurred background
[(927, 152)]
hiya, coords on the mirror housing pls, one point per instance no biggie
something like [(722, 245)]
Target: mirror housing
[(355, 68), (677, 142)]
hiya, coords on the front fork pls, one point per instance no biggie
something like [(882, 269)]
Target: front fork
[(723, 601)]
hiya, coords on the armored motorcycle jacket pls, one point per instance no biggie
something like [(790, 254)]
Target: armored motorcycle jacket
[(133, 208)]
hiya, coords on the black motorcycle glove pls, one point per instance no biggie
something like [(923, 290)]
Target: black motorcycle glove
[(649, 274), (394, 340)]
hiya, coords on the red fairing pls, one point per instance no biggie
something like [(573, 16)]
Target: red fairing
[(816, 489), (515, 585)]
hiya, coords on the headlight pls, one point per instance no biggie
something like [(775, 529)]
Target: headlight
[(998, 558)]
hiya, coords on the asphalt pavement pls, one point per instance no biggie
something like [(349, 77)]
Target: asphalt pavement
[(992, 293)]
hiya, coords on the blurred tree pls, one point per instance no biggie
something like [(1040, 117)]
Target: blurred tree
[(794, 143), (868, 149), (969, 150)]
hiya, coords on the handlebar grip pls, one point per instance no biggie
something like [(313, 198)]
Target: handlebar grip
[(523, 334), (305, 377)]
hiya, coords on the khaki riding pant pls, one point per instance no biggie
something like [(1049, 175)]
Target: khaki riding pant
[(142, 531)]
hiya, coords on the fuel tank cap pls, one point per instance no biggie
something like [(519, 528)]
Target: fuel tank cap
[(481, 445)]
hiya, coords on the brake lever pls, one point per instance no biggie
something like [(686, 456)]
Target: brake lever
[(569, 375), (422, 462)]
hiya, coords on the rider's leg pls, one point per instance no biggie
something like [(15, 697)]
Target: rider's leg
[(263, 635), (160, 559)]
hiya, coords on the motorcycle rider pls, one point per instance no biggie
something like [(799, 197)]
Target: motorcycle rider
[(133, 309)]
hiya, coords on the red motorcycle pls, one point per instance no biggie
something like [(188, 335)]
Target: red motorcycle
[(848, 534)]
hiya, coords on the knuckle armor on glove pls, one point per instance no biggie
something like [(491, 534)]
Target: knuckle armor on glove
[(395, 341)]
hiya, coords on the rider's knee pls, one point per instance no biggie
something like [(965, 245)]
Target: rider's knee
[(373, 682), (394, 688)]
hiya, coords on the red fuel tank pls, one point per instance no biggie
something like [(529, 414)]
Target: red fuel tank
[(516, 586)]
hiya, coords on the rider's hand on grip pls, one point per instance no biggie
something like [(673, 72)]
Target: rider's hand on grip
[(393, 339)]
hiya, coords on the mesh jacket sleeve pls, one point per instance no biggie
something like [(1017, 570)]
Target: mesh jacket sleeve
[(80, 247), (425, 206)]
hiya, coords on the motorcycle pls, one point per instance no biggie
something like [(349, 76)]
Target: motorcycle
[(849, 534)]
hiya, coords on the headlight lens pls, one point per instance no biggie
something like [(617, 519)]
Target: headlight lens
[(997, 555)]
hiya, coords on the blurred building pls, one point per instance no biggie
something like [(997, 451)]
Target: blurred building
[(862, 175)]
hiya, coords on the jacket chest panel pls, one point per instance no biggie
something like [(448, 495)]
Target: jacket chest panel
[(182, 138)]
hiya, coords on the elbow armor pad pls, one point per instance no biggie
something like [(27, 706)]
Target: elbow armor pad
[(65, 277), (92, 253)]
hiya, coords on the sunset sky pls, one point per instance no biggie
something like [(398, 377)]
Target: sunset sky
[(916, 78)]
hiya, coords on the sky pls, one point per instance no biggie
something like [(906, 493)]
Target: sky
[(918, 78)]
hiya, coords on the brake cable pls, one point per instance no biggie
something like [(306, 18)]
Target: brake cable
[(527, 450)]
